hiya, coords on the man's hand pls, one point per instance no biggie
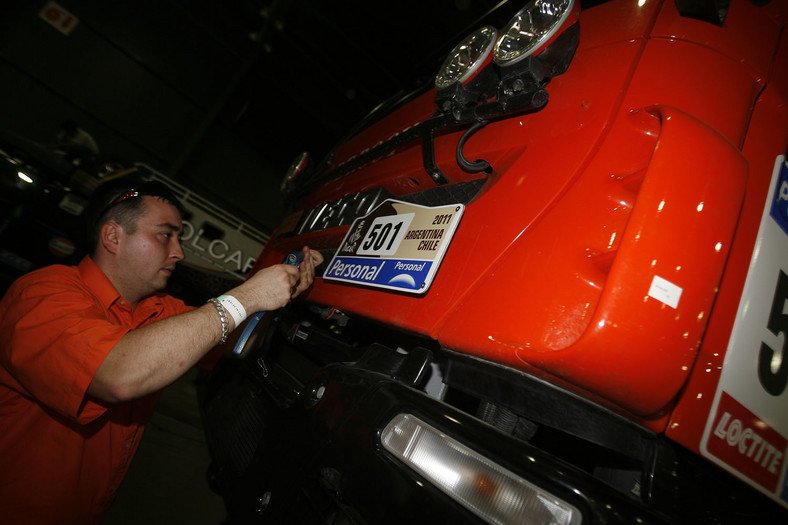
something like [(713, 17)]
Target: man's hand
[(307, 270), (273, 287), (149, 358)]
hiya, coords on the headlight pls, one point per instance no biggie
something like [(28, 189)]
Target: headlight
[(467, 58), (298, 167), (531, 27), (490, 491)]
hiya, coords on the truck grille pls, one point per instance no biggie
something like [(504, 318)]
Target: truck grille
[(234, 421), (345, 210)]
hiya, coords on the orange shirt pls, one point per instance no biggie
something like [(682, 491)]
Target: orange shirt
[(62, 453)]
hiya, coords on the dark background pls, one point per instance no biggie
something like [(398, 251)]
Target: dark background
[(219, 95)]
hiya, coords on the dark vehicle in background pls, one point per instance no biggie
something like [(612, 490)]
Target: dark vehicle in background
[(555, 287)]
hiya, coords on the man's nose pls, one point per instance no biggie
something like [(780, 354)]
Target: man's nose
[(176, 250)]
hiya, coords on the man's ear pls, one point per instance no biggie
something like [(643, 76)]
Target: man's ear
[(110, 236)]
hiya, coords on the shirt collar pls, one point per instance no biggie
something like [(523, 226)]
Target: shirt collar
[(98, 282), (108, 295)]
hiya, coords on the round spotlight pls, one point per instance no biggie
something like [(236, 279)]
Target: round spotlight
[(529, 29), (298, 167), (467, 58)]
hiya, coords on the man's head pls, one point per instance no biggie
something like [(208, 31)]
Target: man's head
[(123, 205), (135, 237)]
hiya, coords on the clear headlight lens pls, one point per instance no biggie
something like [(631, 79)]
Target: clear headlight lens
[(531, 27), (467, 58), (490, 491)]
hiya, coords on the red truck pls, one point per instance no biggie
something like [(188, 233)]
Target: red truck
[(555, 287)]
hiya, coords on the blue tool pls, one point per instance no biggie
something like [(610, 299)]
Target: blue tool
[(293, 259)]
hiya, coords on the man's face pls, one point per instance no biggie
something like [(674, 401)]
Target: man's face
[(148, 256)]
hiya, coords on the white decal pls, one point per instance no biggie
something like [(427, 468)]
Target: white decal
[(665, 291)]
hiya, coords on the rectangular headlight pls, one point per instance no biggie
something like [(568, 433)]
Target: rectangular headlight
[(490, 491)]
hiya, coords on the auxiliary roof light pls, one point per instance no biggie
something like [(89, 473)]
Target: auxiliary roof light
[(297, 168), (529, 29), (467, 58), (490, 491)]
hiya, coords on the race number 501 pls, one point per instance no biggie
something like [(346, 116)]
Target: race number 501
[(385, 235)]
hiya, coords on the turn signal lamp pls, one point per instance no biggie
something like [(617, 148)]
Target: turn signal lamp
[(468, 57), (530, 29), (490, 491)]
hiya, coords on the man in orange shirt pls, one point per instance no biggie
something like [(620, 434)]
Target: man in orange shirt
[(85, 350)]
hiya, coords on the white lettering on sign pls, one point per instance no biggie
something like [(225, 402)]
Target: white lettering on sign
[(58, 17), (749, 443), (366, 272), (217, 249), (408, 267), (783, 191)]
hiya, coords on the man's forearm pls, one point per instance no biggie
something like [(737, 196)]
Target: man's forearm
[(149, 358)]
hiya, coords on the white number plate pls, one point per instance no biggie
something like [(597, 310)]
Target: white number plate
[(398, 246), (747, 429)]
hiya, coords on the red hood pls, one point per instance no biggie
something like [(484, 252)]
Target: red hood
[(594, 251)]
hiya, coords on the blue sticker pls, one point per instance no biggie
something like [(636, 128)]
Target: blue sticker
[(402, 274), (779, 211)]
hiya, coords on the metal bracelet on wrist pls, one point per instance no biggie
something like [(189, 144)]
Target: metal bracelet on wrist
[(223, 316)]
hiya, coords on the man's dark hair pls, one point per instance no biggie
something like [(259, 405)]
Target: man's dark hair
[(121, 203)]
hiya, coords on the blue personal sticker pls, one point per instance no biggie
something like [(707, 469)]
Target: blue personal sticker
[(779, 211), (400, 274)]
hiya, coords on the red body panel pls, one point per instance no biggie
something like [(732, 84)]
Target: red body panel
[(651, 159)]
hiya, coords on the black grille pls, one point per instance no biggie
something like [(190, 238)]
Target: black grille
[(345, 210), (234, 421), (460, 193)]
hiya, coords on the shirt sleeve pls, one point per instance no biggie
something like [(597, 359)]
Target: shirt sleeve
[(53, 337)]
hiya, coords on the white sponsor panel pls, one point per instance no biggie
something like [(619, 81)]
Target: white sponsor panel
[(747, 429)]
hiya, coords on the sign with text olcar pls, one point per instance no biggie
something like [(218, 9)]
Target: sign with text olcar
[(398, 246)]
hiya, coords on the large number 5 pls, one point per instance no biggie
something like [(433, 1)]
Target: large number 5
[(371, 237), (775, 382)]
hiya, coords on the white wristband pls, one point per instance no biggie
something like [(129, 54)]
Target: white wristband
[(234, 308)]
